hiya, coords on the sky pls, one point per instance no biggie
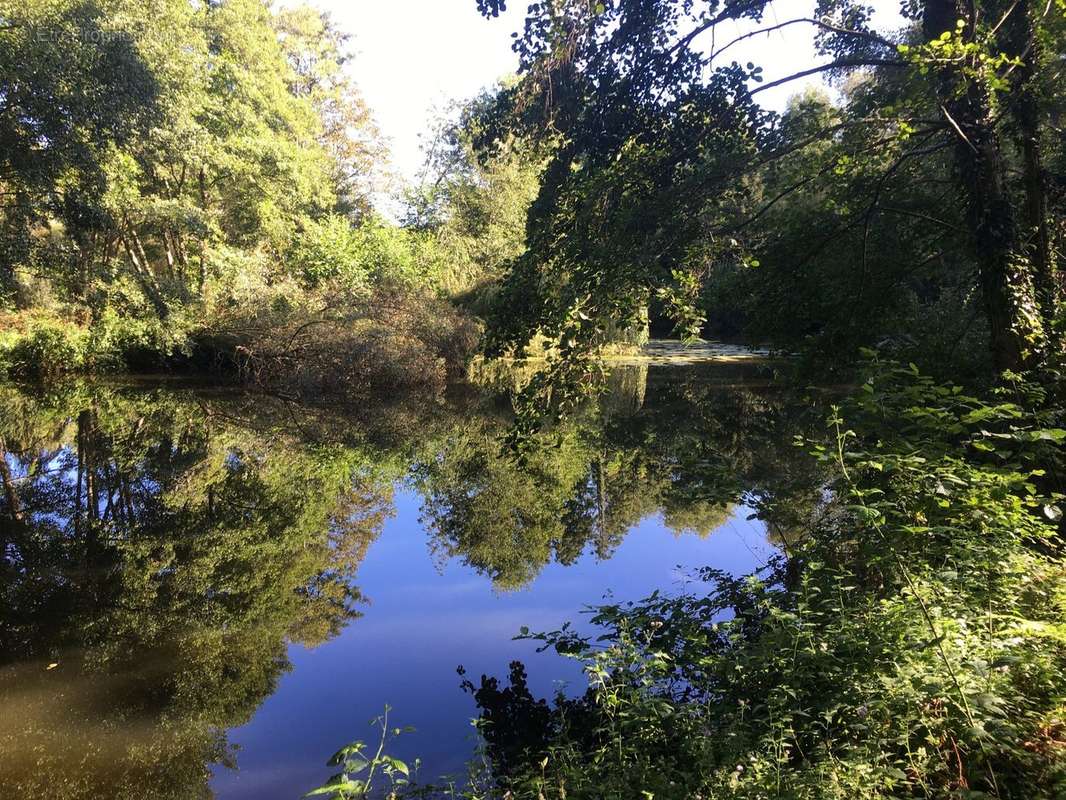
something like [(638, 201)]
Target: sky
[(413, 56)]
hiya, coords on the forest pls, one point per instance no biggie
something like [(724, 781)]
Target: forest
[(198, 192)]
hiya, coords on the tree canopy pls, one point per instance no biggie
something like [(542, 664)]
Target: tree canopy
[(927, 183)]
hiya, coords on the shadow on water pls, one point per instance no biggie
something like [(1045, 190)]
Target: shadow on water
[(171, 552)]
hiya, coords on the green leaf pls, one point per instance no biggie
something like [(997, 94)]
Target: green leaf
[(338, 758)]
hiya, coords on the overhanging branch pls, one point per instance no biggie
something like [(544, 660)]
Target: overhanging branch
[(840, 63)]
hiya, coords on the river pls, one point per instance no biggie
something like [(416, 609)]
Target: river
[(206, 591)]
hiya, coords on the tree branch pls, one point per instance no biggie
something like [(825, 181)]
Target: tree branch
[(840, 63), (872, 37)]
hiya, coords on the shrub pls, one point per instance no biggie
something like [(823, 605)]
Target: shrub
[(351, 344), (119, 342), (328, 250), (45, 347), (331, 251)]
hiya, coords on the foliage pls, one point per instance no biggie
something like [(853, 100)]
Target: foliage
[(121, 343), (72, 84), (192, 184), (360, 767), (342, 342), (472, 199), (44, 347), (329, 250), (916, 211), (202, 157), (317, 52), (912, 643)]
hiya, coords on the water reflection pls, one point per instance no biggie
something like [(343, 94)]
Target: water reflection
[(690, 454), (163, 548), (158, 558)]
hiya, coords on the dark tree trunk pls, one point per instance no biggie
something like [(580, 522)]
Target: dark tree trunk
[(1019, 39), (1006, 275), (202, 281), (87, 469), (12, 529), (14, 507), (1039, 250)]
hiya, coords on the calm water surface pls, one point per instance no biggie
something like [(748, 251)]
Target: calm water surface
[(205, 593)]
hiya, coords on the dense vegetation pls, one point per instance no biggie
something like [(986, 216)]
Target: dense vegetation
[(193, 185)]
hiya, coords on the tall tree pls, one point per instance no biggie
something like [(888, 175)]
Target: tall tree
[(247, 126), (318, 55), (659, 145), (71, 84)]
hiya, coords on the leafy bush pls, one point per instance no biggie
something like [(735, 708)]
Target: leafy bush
[(119, 342), (45, 347), (328, 250), (361, 765), (332, 251), (346, 344)]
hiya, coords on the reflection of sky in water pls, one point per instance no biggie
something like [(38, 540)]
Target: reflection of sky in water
[(421, 624)]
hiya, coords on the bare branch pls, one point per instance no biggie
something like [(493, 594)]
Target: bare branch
[(840, 63), (958, 130), (809, 21)]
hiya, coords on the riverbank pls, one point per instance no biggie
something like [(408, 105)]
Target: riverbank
[(303, 345), (395, 339)]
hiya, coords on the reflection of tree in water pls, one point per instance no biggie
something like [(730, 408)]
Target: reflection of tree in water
[(701, 518), (163, 547), (689, 449), (161, 559)]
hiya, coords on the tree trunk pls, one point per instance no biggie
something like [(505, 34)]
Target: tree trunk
[(172, 256), (1005, 274), (14, 507), (203, 242), (142, 269), (86, 254), (86, 461), (1019, 39)]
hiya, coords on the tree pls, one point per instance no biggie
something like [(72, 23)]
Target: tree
[(473, 197), (317, 53), (660, 150), (247, 127), (71, 85)]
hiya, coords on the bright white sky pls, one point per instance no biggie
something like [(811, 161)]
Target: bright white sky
[(412, 56)]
